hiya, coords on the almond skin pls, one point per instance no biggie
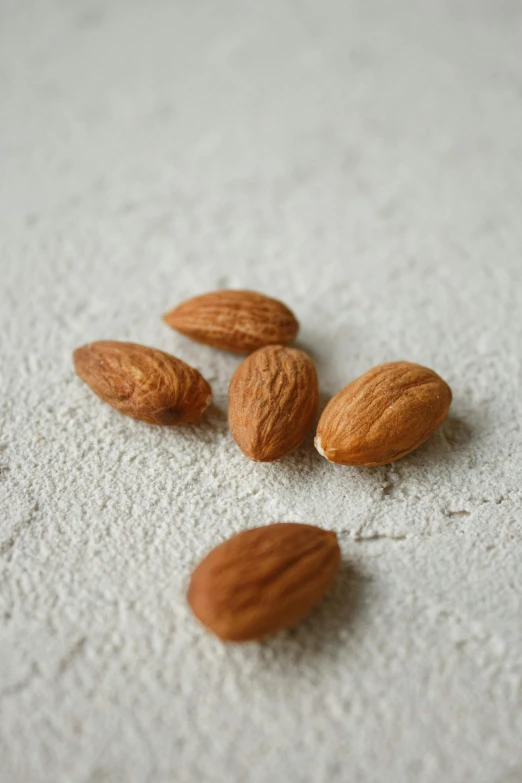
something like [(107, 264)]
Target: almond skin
[(143, 383), (272, 402), (263, 580), (383, 415), (238, 321)]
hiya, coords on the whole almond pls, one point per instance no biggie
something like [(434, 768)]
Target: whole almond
[(272, 402), (263, 580), (143, 383), (238, 321), (383, 415)]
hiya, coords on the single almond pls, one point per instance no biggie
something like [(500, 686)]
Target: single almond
[(383, 415), (238, 321), (272, 402), (263, 580), (143, 383)]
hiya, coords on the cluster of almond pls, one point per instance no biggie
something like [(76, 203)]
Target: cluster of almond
[(265, 579)]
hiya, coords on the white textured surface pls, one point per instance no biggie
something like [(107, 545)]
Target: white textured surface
[(362, 161)]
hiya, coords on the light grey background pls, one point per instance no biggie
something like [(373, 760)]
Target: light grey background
[(363, 162)]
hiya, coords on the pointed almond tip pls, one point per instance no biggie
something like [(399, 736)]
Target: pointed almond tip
[(318, 446), (79, 354)]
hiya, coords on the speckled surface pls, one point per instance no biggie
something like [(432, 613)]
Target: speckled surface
[(362, 162)]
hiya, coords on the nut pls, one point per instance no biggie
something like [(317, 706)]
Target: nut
[(383, 415), (143, 383), (238, 321), (272, 402), (263, 580)]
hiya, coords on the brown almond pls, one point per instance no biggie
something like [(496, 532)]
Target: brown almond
[(143, 383), (272, 402), (238, 321), (263, 580), (383, 415)]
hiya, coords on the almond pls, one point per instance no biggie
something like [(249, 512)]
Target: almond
[(272, 402), (238, 321), (383, 415), (263, 580), (143, 383)]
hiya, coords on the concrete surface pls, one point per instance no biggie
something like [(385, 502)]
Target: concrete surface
[(362, 161)]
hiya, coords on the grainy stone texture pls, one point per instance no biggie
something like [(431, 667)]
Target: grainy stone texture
[(363, 162)]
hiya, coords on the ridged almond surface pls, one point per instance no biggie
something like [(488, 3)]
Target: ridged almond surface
[(263, 580), (272, 402), (143, 383), (238, 321), (383, 415)]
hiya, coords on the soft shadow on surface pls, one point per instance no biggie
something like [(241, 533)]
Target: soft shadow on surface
[(214, 420), (212, 416), (324, 399), (513, 775), (449, 441), (451, 446), (300, 461), (327, 628), (454, 436), (320, 351), (313, 353), (457, 432)]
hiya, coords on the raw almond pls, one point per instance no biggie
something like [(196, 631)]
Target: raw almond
[(143, 383), (263, 580), (383, 415), (238, 321), (272, 402)]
